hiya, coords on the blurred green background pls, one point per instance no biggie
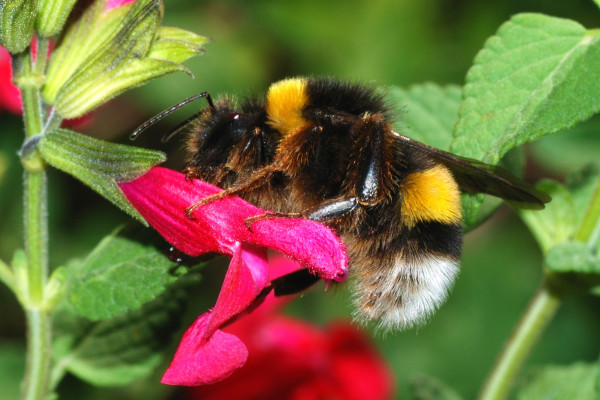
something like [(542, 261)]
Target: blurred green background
[(385, 42)]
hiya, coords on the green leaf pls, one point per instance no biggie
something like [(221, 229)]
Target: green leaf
[(99, 164), (54, 291), (52, 15), (576, 381), (536, 76), (12, 367), (582, 184), (427, 388), (118, 351), (17, 18), (561, 218), (573, 256), (429, 112), (553, 224), (120, 275), (570, 149)]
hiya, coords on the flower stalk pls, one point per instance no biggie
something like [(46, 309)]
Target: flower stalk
[(532, 324), (39, 333)]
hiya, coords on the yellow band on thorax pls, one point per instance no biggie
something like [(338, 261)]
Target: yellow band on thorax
[(286, 100)]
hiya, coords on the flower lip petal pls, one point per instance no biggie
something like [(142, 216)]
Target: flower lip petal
[(246, 277), (199, 362)]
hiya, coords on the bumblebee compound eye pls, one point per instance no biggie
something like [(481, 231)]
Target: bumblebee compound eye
[(233, 117)]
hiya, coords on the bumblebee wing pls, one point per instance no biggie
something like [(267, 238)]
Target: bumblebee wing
[(478, 177)]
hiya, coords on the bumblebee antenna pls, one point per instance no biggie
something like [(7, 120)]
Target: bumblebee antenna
[(170, 111), (180, 127)]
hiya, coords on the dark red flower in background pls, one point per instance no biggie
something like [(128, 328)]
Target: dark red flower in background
[(207, 353), (291, 359)]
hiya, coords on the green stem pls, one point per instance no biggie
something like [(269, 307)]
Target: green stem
[(39, 336), (589, 230), (39, 327), (36, 235), (538, 314), (39, 64)]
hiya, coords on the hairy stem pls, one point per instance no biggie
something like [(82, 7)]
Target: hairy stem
[(36, 243)]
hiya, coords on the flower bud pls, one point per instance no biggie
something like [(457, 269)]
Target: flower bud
[(52, 15), (17, 19), (124, 51)]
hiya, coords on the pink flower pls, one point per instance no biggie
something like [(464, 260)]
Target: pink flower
[(10, 96), (206, 353), (291, 359)]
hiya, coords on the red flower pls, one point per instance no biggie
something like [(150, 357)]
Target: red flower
[(291, 359), (10, 96), (207, 354)]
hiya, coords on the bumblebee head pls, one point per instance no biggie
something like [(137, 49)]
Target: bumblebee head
[(228, 137)]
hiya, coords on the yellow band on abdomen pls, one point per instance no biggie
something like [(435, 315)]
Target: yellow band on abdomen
[(431, 195)]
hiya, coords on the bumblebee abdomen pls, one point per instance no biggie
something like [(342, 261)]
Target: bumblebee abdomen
[(402, 281)]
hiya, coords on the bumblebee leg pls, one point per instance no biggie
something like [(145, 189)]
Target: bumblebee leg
[(294, 282), (269, 215), (375, 154), (330, 210), (256, 181)]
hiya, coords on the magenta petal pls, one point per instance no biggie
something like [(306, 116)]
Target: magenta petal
[(117, 3), (245, 279), (198, 362)]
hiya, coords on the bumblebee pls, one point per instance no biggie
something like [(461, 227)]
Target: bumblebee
[(324, 149)]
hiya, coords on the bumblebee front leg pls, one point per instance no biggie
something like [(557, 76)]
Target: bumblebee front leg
[(257, 180)]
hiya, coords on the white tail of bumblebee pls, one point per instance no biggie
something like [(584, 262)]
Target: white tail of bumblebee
[(405, 293)]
